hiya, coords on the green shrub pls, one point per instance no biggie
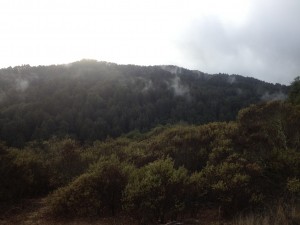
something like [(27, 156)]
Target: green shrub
[(34, 172), (62, 159), (97, 192), (232, 183), (156, 191), (13, 184)]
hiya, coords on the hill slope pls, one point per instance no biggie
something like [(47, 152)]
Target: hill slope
[(91, 100)]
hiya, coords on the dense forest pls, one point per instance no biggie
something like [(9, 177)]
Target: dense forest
[(155, 144), (90, 100)]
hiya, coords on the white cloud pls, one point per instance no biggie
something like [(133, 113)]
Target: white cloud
[(249, 37)]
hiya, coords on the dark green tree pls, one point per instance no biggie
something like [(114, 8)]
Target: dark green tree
[(294, 94)]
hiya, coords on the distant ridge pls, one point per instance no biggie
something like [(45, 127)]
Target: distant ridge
[(91, 100)]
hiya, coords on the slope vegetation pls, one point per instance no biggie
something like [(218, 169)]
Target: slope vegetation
[(90, 100)]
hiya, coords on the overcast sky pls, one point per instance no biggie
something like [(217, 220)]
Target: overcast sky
[(259, 38)]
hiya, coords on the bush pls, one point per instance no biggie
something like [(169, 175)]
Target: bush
[(34, 172), (156, 191), (233, 184), (13, 183), (64, 161), (95, 193)]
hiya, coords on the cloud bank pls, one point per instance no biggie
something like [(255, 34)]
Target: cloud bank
[(249, 37), (266, 45)]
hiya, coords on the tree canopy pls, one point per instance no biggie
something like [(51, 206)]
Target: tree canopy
[(90, 100)]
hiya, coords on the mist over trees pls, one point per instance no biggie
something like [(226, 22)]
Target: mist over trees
[(90, 100), (158, 143)]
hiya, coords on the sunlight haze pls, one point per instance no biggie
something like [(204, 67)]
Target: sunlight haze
[(209, 35)]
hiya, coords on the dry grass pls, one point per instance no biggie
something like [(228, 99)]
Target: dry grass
[(103, 221), (281, 215), (33, 212)]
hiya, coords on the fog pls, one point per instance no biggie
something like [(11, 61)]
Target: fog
[(265, 46), (250, 37)]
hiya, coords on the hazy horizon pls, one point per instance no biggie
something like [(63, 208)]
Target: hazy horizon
[(66, 64)]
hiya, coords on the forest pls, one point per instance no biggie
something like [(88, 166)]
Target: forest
[(149, 145), (90, 100)]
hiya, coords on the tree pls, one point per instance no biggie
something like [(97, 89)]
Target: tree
[(294, 94)]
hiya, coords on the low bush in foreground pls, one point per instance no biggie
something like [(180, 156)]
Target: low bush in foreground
[(94, 193)]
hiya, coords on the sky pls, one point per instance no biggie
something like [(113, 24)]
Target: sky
[(257, 38)]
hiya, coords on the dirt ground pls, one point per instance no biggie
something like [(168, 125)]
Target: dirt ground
[(32, 212)]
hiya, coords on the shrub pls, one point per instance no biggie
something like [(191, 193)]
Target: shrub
[(156, 191), (63, 158), (13, 184), (232, 183), (97, 192), (34, 172)]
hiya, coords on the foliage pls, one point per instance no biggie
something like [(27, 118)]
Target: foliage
[(269, 136), (234, 183), (34, 172), (171, 170), (293, 189), (97, 192), (90, 100), (64, 155), (294, 94), (156, 191), (12, 181)]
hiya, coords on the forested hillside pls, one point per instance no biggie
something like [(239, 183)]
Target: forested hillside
[(90, 100), (71, 135)]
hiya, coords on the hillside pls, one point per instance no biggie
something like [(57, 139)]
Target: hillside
[(215, 171), (244, 171), (90, 100)]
